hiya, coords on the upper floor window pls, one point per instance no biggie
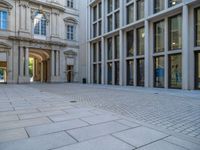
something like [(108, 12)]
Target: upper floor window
[(3, 20), (159, 5), (70, 32), (70, 3), (140, 9), (174, 2), (110, 6), (40, 24)]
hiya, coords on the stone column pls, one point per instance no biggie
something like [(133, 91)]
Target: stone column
[(9, 66), (27, 62), (185, 53), (121, 58), (52, 63), (21, 61), (57, 63)]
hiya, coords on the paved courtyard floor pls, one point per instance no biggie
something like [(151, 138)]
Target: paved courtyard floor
[(95, 117)]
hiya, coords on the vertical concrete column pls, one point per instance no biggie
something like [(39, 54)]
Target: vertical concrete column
[(57, 63), (21, 59), (52, 63), (9, 66), (146, 54), (103, 60), (121, 58), (88, 51), (27, 62), (185, 53)]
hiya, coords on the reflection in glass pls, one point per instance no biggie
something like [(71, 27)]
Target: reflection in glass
[(3, 20), (159, 36), (159, 71), (197, 27), (175, 32), (117, 73), (174, 2), (109, 66), (175, 71), (129, 37), (140, 41), (140, 72), (159, 5), (109, 49), (130, 75)]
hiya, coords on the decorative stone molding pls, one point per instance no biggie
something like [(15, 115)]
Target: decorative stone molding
[(70, 20), (70, 53), (6, 5), (24, 4)]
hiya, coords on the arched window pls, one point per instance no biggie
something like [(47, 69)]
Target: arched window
[(3, 19), (40, 24)]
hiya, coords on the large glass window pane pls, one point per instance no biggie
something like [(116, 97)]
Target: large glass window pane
[(95, 13), (116, 4), (129, 11), (3, 20), (129, 38), (94, 73), (197, 27), (109, 49), (130, 75), (140, 9), (109, 78), (110, 5), (174, 2), (175, 71), (117, 47), (197, 71), (175, 32), (159, 36), (100, 10), (94, 30), (99, 73), (140, 72), (159, 5), (40, 24), (140, 41), (94, 52), (117, 73), (117, 19), (109, 23), (159, 71), (100, 28), (99, 44)]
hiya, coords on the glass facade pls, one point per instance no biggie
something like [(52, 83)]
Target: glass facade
[(99, 55), (159, 36), (129, 16), (140, 72), (140, 41), (117, 73), (175, 71), (140, 9), (94, 52), (129, 40), (174, 2), (99, 73), (116, 4), (159, 5), (117, 20), (109, 50), (175, 32), (197, 27), (110, 6), (110, 23), (95, 13), (130, 75), (109, 74), (197, 70), (3, 20), (117, 47), (159, 71)]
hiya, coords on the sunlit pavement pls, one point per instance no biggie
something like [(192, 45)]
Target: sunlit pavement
[(94, 117)]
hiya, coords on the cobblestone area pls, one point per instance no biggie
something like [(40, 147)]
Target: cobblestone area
[(175, 110)]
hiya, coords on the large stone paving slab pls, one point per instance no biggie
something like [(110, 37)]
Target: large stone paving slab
[(39, 143), (140, 136), (102, 143), (93, 131), (55, 127)]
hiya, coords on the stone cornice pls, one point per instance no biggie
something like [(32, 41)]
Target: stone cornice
[(25, 39)]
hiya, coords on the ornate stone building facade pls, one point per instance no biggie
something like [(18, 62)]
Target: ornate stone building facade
[(43, 31)]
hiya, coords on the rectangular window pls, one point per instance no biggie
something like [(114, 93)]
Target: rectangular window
[(109, 49), (140, 72), (117, 19), (3, 20), (94, 52), (197, 70), (129, 39), (99, 73), (110, 23), (175, 32), (100, 10), (140, 41), (110, 5), (100, 28), (129, 11), (159, 36), (130, 69), (174, 2), (95, 73), (175, 71), (70, 3), (70, 32), (109, 77), (95, 13), (140, 9), (116, 4), (159, 5), (159, 71), (117, 47), (99, 44), (95, 30), (117, 73), (197, 27)]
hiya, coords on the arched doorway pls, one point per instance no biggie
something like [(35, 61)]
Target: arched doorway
[(39, 65)]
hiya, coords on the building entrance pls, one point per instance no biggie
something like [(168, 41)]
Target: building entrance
[(197, 70)]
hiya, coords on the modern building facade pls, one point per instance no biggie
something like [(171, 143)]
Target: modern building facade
[(150, 43), (41, 33)]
